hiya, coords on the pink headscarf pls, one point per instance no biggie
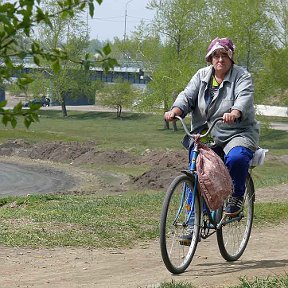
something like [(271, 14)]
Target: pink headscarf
[(220, 43)]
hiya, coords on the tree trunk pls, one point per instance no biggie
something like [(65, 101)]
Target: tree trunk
[(166, 124), (174, 126), (63, 106), (119, 111)]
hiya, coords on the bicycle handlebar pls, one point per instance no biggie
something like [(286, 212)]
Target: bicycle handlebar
[(201, 135)]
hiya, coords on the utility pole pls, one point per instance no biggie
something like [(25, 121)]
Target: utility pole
[(125, 27)]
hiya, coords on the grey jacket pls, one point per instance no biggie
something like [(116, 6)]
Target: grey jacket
[(235, 92)]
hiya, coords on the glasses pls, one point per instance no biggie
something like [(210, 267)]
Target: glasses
[(220, 55)]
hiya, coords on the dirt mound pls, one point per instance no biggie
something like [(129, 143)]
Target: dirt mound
[(65, 152), (165, 166), (156, 178), (169, 158), (162, 166), (14, 147), (117, 157)]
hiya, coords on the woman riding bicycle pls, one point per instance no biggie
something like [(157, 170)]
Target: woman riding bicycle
[(223, 89)]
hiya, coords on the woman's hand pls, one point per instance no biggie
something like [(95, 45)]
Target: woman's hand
[(231, 117), (170, 115)]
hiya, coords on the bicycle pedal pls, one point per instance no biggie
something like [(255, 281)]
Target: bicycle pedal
[(185, 242)]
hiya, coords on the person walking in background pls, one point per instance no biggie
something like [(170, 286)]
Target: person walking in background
[(223, 89)]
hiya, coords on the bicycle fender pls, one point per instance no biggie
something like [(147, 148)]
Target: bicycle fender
[(188, 173)]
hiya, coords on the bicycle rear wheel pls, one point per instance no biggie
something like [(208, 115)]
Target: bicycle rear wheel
[(233, 237), (174, 224)]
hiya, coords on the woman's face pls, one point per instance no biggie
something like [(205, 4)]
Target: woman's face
[(221, 61)]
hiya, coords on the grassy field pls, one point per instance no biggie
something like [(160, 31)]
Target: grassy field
[(91, 221)]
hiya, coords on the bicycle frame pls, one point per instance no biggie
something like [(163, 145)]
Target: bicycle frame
[(211, 214)]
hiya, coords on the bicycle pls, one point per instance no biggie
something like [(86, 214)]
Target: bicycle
[(181, 217)]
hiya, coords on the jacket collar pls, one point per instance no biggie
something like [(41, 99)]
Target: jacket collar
[(211, 71)]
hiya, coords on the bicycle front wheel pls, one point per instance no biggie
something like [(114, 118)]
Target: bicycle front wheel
[(174, 224), (234, 235)]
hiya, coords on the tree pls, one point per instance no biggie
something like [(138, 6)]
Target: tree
[(274, 73), (176, 21), (257, 27), (271, 80), (19, 18), (71, 34), (277, 11), (118, 95), (246, 23), (177, 25)]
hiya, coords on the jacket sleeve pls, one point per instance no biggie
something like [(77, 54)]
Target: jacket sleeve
[(187, 99), (244, 93)]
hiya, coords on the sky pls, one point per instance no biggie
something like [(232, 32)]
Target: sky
[(109, 18)]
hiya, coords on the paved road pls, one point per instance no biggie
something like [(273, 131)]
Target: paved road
[(23, 179), (279, 126)]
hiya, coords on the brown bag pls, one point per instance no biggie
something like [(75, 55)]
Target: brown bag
[(213, 176)]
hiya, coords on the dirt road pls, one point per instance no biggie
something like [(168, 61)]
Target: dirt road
[(141, 266)]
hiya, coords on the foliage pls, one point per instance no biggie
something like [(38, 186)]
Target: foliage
[(168, 80), (72, 81), (20, 17), (176, 20), (36, 89), (118, 95), (247, 24), (272, 79), (10, 116), (175, 23), (277, 10), (18, 22)]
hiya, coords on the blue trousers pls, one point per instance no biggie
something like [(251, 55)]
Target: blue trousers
[(237, 162)]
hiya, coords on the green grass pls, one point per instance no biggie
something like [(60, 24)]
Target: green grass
[(89, 221), (270, 213), (173, 284), (270, 174), (133, 132), (268, 282)]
